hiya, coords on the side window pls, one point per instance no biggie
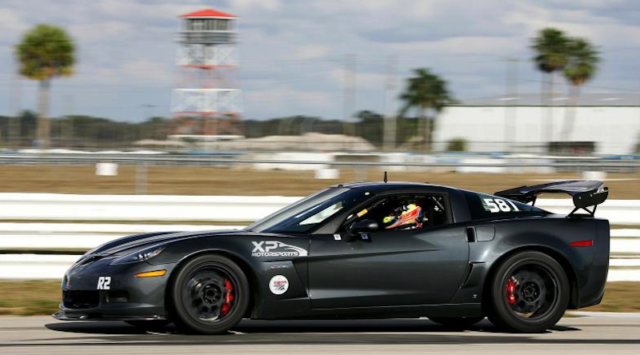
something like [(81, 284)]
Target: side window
[(404, 212)]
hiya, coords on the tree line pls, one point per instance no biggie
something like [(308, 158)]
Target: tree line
[(47, 52), (81, 131)]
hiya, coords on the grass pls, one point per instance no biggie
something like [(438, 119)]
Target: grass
[(620, 297), (30, 298), (243, 181), (42, 297)]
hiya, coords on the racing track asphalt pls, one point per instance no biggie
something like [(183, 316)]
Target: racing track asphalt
[(44, 335)]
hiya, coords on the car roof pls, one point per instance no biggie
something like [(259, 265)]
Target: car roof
[(380, 186)]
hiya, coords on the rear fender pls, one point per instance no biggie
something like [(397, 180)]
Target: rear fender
[(550, 235)]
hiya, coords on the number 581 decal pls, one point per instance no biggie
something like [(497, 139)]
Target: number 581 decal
[(496, 205)]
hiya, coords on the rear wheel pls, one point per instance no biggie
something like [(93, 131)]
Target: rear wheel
[(457, 322), (209, 295), (529, 293)]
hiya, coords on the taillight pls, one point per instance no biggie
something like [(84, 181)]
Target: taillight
[(582, 243)]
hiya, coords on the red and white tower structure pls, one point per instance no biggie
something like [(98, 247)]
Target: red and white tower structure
[(207, 64)]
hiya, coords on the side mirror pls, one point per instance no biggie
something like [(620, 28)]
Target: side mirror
[(363, 226)]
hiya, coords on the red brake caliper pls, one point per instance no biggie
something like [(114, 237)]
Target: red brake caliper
[(228, 288), (511, 292)]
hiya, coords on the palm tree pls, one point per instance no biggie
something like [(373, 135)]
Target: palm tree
[(581, 67), (45, 52), (551, 56), (426, 92)]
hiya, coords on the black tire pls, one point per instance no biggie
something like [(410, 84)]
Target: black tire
[(529, 293), (149, 325), (456, 322), (200, 290)]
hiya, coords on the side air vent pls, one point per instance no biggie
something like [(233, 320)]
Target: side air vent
[(467, 275), (471, 235)]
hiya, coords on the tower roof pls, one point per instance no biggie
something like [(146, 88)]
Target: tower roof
[(208, 13)]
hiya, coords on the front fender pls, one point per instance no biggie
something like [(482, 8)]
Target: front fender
[(258, 266)]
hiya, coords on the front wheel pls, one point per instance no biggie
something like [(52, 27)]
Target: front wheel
[(529, 293), (209, 295)]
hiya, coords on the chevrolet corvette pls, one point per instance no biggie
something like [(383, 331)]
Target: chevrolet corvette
[(360, 250)]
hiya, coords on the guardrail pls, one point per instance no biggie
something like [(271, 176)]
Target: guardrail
[(79, 237), (38, 241), (55, 230), (43, 207), (53, 267), (15, 237)]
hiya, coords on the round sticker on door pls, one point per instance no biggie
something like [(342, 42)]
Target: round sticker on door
[(278, 285)]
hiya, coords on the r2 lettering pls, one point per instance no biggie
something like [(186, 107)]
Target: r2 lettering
[(496, 205), (104, 283)]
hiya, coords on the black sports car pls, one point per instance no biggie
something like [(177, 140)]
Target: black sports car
[(360, 250)]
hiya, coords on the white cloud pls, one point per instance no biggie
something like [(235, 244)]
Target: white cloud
[(11, 25), (292, 52), (310, 102), (148, 70), (101, 30), (312, 52), (248, 5)]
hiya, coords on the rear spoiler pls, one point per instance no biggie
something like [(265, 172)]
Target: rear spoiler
[(585, 193)]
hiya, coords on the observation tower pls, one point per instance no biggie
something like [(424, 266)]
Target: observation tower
[(207, 67)]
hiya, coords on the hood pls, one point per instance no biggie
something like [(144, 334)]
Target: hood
[(140, 241)]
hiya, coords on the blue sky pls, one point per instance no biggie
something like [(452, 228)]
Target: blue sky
[(292, 52)]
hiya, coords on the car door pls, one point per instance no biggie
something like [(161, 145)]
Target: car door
[(387, 267)]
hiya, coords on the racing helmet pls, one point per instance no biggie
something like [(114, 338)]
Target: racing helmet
[(407, 215)]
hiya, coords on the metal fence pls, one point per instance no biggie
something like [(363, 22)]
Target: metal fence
[(360, 164), (364, 160)]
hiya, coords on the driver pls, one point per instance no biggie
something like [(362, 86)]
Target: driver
[(407, 216)]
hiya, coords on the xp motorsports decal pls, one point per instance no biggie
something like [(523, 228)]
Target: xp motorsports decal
[(274, 248)]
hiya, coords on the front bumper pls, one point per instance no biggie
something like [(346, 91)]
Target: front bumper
[(89, 317), (87, 295)]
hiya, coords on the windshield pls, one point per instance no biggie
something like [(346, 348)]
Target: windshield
[(310, 212)]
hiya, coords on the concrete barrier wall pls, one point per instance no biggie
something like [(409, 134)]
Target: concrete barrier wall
[(17, 206), (51, 232)]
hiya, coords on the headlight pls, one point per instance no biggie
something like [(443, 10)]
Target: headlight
[(138, 256)]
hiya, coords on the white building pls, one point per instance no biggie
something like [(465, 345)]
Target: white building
[(610, 121)]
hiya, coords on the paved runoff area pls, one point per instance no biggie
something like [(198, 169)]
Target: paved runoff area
[(615, 334)]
